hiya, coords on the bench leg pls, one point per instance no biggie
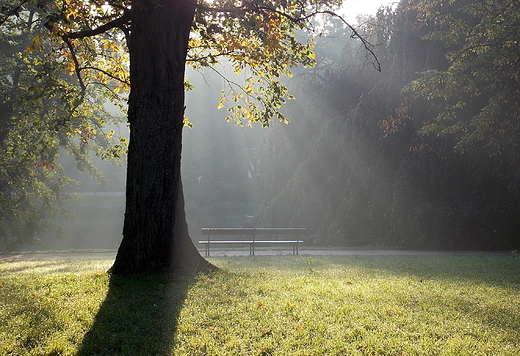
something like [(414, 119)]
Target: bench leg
[(207, 246)]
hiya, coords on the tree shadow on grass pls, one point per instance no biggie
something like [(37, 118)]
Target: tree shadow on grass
[(138, 316)]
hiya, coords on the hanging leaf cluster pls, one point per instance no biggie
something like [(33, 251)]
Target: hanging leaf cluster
[(258, 40)]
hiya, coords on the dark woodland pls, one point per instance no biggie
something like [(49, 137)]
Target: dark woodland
[(390, 159)]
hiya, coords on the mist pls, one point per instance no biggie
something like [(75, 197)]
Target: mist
[(218, 170), (352, 165), (361, 165)]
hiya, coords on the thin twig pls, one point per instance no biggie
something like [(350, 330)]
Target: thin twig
[(355, 34), (13, 11), (105, 73)]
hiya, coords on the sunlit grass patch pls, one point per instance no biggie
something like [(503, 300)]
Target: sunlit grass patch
[(348, 305), (290, 305), (46, 307)]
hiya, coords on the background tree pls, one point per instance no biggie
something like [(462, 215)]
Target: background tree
[(477, 92), (475, 98), (43, 114)]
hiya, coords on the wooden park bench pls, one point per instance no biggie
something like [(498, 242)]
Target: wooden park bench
[(253, 232)]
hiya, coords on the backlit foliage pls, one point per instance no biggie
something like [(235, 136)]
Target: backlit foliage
[(258, 39), (255, 38), (44, 113)]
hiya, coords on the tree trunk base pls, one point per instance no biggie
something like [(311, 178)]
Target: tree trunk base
[(184, 259)]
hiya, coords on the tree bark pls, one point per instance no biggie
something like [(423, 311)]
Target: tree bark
[(155, 232)]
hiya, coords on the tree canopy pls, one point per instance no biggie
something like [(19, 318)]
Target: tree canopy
[(257, 38)]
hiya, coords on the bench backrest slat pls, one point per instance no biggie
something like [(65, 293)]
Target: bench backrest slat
[(251, 230)]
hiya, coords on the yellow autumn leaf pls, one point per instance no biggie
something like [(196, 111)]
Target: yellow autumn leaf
[(187, 122)]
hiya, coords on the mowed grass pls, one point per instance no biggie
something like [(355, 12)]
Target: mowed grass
[(277, 305)]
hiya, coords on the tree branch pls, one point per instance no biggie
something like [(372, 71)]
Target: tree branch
[(355, 34), (105, 73), (119, 22), (77, 68), (202, 58)]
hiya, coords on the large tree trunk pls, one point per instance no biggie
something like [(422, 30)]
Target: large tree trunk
[(155, 232)]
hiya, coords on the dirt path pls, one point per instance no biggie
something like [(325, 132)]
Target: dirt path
[(108, 255)]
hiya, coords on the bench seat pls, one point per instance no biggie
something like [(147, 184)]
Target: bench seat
[(252, 242)]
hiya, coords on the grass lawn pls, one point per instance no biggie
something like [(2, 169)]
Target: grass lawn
[(267, 305)]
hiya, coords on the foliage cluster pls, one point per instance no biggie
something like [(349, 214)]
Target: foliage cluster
[(423, 155), (259, 40), (477, 95), (44, 114), (382, 305)]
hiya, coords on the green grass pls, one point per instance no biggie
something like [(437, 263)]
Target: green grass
[(291, 305)]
